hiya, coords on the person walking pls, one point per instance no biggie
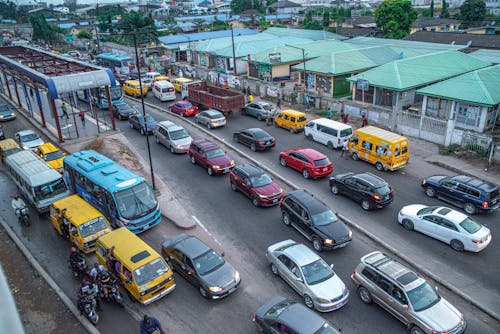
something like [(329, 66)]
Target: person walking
[(345, 150), (329, 113), (82, 117), (278, 101), (150, 325), (64, 111), (364, 120)]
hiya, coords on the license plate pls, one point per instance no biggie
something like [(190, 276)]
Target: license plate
[(268, 142), (275, 200), (325, 169), (343, 245), (226, 170)]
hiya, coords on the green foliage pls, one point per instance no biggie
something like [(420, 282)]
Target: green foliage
[(141, 24), (41, 30), (239, 6), (219, 25), (263, 24), (395, 18), (84, 34), (472, 11), (326, 19), (445, 13), (431, 9)]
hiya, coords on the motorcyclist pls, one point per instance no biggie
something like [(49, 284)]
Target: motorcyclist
[(104, 279), (94, 272), (88, 290), (75, 257), (17, 204)]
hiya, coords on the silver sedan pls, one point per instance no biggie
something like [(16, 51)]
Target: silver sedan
[(210, 118), (308, 274)]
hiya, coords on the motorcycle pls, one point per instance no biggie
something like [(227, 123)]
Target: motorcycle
[(24, 216), (88, 307), (113, 292), (79, 268)]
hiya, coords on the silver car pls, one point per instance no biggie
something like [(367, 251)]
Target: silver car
[(173, 136), (308, 274), (405, 295), (28, 139), (210, 118), (261, 110)]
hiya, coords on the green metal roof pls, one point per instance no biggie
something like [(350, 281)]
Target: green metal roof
[(215, 44), (492, 56), (404, 74), (315, 35), (434, 47), (243, 49), (352, 61), (477, 87)]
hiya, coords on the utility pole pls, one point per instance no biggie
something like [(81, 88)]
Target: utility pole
[(303, 61), (234, 52)]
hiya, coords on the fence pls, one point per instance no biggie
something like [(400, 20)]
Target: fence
[(476, 142)]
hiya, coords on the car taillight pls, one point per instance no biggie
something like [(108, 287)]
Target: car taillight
[(170, 89), (376, 196), (254, 317), (261, 142), (485, 205)]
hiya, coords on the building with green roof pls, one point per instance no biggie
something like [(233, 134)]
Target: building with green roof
[(492, 56), (430, 47), (315, 35)]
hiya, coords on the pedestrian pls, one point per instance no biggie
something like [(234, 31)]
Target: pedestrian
[(278, 101), (329, 113), (226, 84), (345, 149), (364, 120), (344, 116), (250, 98), (64, 112), (150, 325), (181, 74), (82, 117)]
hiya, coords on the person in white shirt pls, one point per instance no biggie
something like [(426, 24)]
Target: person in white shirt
[(17, 204)]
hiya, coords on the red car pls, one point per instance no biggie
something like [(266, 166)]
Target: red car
[(184, 108), (255, 184), (210, 156), (311, 163)]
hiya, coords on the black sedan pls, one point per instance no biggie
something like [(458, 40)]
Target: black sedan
[(201, 266), (255, 138), (368, 189), (123, 110), (136, 121), (280, 315)]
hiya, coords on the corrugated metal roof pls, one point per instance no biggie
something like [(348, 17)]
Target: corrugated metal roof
[(492, 56), (243, 49), (478, 87), (208, 18), (201, 36), (215, 44), (315, 35), (404, 74), (366, 41)]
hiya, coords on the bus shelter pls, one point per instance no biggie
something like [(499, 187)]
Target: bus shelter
[(48, 86)]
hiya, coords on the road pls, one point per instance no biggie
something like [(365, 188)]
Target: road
[(243, 233)]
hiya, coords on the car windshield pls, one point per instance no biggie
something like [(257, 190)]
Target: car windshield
[(345, 133), (321, 162), (266, 106), (53, 155), (4, 107), (260, 180), (50, 189), (29, 137), (384, 190), (218, 152), (125, 107), (208, 262), (216, 116), (150, 271), (92, 227), (150, 120), (492, 195), (324, 218), (276, 310), (426, 210), (187, 105), (302, 119), (317, 272), (470, 226), (116, 92), (261, 134), (423, 297), (178, 134), (136, 201)]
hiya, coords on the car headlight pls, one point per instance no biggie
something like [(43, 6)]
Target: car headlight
[(424, 181), (25, 147), (262, 196), (144, 288), (232, 162), (236, 276), (215, 167), (328, 241), (215, 289), (322, 300), (350, 233), (1, 116)]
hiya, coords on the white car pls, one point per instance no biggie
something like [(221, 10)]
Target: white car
[(447, 225), (309, 275), (28, 139)]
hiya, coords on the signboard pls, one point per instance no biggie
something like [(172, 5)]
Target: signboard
[(275, 58), (362, 84), (69, 38)]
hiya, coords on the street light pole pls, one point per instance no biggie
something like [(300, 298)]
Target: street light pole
[(303, 61)]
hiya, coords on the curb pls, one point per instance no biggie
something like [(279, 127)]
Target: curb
[(34, 263)]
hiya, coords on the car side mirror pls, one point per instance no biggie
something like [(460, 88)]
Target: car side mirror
[(222, 254), (436, 288), (183, 267), (331, 265), (299, 279), (74, 232)]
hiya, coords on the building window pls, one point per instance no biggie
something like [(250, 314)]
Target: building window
[(469, 115), (438, 108)]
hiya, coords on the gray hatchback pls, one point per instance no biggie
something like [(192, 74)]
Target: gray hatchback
[(260, 110)]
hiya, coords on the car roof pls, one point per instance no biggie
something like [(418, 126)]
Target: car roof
[(213, 112), (301, 319), (262, 103), (250, 170), (300, 254), (26, 132), (310, 153), (475, 182), (313, 204), (292, 112), (255, 130), (453, 215), (187, 244), (47, 148), (332, 123), (372, 179), (205, 144), (170, 126)]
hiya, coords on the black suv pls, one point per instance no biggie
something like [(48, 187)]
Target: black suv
[(313, 219), (370, 190), (467, 192)]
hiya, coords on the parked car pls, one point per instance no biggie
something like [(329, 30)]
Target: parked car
[(280, 315), (447, 225), (255, 184), (201, 266), (173, 136), (210, 118), (370, 190), (314, 220), (255, 138), (28, 139), (468, 192), (123, 110), (311, 163), (52, 155), (184, 108), (6, 113), (136, 121), (210, 156), (405, 295), (260, 110), (308, 274)]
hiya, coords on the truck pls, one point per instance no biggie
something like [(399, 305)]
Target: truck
[(224, 100)]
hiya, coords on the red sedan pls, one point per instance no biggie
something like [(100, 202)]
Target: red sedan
[(311, 163), (184, 108)]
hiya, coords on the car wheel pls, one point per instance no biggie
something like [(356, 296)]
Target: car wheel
[(259, 117), (334, 189), (330, 145), (309, 137), (379, 166), (193, 160), (408, 224), (157, 139), (255, 202), (203, 292), (429, 191), (210, 171), (292, 130), (365, 295), (209, 126), (355, 156), (308, 301), (233, 186), (131, 125), (469, 208), (253, 147), (274, 269), (317, 245), (416, 330), (235, 138), (365, 205), (457, 245), (143, 132), (120, 117), (276, 125), (305, 174), (283, 162), (243, 112), (286, 219), (172, 149)]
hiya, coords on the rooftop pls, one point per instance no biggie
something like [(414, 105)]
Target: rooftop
[(431, 46), (492, 56), (453, 38)]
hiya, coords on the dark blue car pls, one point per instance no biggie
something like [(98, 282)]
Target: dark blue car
[(470, 193)]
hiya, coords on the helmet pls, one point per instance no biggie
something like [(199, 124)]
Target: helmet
[(72, 250), (104, 276), (15, 196)]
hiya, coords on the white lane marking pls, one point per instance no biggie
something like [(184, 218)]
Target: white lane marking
[(206, 230)]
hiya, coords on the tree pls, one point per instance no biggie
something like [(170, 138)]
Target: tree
[(395, 18), (431, 9), (239, 6), (41, 30), (445, 13), (473, 11), (84, 34), (326, 19), (140, 24)]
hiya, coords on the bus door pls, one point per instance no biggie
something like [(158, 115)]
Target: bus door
[(110, 210)]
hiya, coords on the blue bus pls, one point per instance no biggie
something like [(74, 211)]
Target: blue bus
[(124, 197), (99, 98), (120, 64)]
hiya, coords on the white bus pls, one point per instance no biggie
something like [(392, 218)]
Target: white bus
[(164, 91), (39, 183)]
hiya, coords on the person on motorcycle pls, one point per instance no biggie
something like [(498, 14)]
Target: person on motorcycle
[(90, 290), (17, 204), (104, 280), (94, 272), (74, 256)]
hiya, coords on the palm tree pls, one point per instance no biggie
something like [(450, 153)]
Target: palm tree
[(140, 25)]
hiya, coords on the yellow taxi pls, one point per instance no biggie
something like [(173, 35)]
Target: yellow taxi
[(161, 78), (290, 119), (49, 153), (133, 88), (79, 222), (7, 147), (180, 84)]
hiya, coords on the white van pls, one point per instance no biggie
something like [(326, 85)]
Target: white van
[(152, 75), (164, 91), (330, 133)]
